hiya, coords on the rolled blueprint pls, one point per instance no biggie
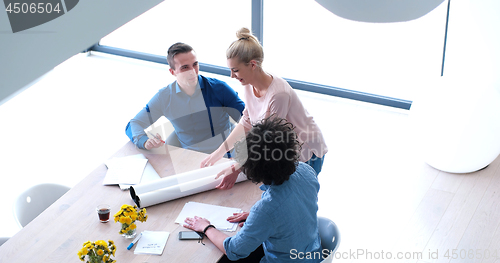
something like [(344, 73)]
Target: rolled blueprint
[(179, 185)]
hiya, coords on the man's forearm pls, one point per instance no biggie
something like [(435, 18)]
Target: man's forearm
[(217, 238)]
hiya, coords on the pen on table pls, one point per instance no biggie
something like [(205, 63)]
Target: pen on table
[(156, 137), (135, 241)]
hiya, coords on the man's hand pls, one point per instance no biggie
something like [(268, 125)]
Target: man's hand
[(238, 218), (154, 142), (230, 175), (196, 223)]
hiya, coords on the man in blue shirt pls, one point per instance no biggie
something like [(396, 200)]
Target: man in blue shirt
[(283, 223), (198, 107)]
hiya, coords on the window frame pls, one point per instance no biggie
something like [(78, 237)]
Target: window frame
[(257, 9)]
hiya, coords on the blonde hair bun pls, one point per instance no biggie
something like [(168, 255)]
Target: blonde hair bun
[(246, 47), (244, 33)]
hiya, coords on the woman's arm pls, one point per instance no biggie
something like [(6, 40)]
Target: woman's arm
[(199, 224), (237, 134)]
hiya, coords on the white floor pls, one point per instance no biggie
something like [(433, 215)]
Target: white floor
[(374, 185)]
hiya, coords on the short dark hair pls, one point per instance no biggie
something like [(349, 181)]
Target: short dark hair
[(177, 48), (270, 152)]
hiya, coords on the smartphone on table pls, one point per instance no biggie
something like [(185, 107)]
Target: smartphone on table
[(190, 235)]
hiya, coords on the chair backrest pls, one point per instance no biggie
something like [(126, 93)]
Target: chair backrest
[(3, 240), (330, 236), (35, 200)]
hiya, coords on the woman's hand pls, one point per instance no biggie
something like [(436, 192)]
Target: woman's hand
[(154, 142), (230, 175), (197, 223), (212, 158), (238, 218)]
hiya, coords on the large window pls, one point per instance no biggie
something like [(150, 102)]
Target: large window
[(302, 41), (208, 26)]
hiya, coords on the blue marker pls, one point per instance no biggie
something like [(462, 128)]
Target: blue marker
[(135, 241)]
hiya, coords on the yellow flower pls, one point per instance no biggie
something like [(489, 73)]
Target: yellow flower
[(100, 243), (99, 250), (133, 226), (128, 215)]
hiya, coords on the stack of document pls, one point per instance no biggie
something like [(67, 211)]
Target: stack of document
[(129, 170), (152, 242), (217, 215)]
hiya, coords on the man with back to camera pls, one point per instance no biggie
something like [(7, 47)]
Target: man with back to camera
[(198, 107)]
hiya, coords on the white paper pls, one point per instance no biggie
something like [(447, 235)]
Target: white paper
[(182, 178), (217, 215), (164, 128), (152, 242), (180, 185), (148, 175), (124, 170)]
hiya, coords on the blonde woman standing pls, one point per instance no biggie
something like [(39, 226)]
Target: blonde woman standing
[(265, 95)]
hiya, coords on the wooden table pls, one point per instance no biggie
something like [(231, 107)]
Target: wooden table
[(58, 233)]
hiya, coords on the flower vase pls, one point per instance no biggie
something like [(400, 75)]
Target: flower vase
[(127, 232)]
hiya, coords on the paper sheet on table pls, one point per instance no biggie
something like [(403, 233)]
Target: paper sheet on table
[(217, 215), (148, 175), (151, 242), (180, 185), (164, 128), (124, 170)]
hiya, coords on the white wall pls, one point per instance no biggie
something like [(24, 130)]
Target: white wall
[(27, 55), (473, 45)]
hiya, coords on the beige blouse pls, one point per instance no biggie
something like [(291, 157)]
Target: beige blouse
[(281, 99)]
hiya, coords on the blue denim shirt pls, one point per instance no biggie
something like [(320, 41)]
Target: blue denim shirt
[(282, 220), (194, 123)]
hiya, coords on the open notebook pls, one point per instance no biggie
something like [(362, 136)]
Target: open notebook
[(152, 242)]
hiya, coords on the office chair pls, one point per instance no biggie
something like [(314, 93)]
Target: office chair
[(35, 200), (330, 237), (3, 240)]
